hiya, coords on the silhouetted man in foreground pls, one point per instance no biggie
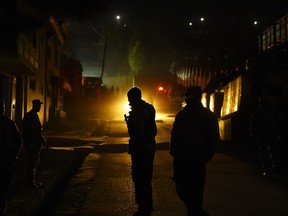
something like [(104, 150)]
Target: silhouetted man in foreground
[(33, 140), (10, 146), (142, 146), (194, 135)]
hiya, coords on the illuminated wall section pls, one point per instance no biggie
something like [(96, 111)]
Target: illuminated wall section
[(204, 100), (232, 96), (225, 129), (211, 103)]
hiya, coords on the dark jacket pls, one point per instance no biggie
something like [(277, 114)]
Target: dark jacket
[(195, 133), (266, 122), (32, 130), (10, 140), (142, 127)]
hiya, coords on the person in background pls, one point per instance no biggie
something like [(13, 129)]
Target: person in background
[(142, 146), (33, 140), (265, 127), (10, 147), (194, 136)]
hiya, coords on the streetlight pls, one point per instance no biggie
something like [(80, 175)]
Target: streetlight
[(118, 18)]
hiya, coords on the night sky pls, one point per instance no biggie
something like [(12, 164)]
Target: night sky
[(172, 13), (227, 30), (160, 14), (172, 17), (169, 17)]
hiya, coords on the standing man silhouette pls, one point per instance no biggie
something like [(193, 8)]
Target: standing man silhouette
[(194, 135), (10, 146), (33, 140), (265, 126), (142, 146)]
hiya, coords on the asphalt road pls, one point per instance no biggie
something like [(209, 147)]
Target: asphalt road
[(234, 186), (89, 174)]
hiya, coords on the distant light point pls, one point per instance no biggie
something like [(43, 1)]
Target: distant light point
[(118, 18)]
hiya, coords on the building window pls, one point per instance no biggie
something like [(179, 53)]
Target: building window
[(56, 56), (264, 47), (21, 42), (278, 32), (270, 37), (49, 54), (283, 30), (32, 84)]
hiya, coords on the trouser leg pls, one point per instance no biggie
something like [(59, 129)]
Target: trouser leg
[(265, 153), (142, 171), (189, 182), (33, 162), (5, 183)]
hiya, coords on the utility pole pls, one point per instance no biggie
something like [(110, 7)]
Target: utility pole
[(104, 56)]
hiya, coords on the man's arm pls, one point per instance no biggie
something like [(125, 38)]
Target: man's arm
[(174, 136)]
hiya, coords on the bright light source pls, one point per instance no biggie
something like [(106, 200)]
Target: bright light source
[(118, 18), (160, 88), (119, 108), (255, 22), (190, 23), (202, 19)]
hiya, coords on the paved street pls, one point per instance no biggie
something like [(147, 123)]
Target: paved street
[(102, 185), (234, 187)]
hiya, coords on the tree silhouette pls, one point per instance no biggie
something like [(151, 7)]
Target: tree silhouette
[(136, 57)]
